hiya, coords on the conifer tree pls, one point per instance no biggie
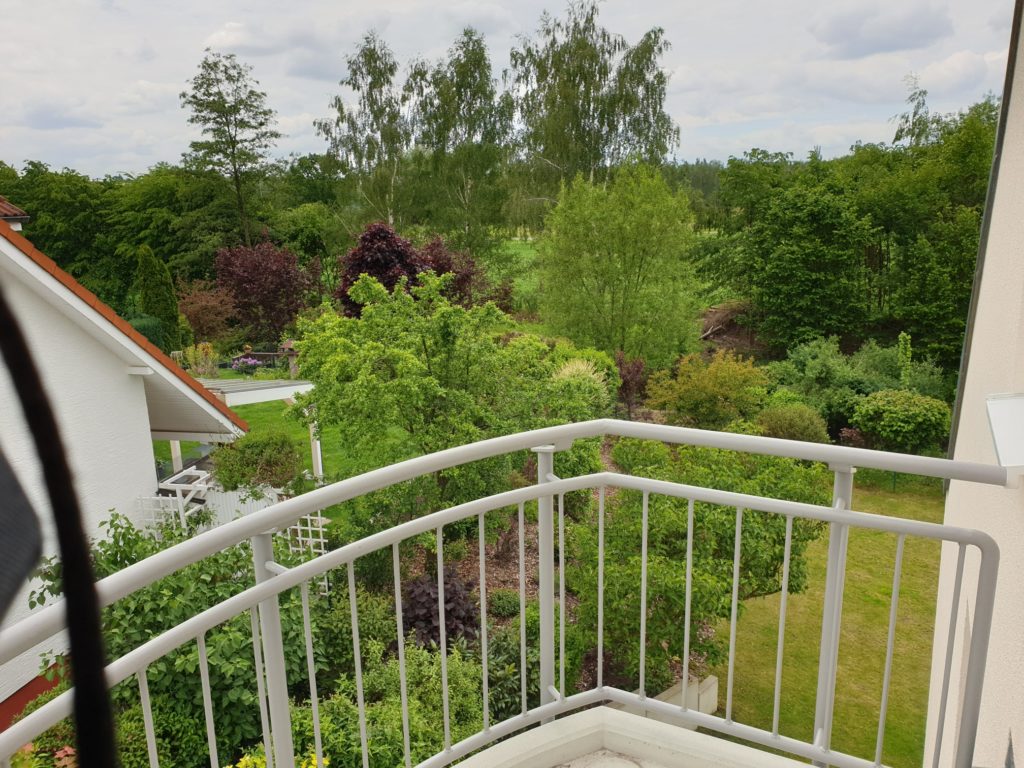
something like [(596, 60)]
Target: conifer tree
[(156, 299)]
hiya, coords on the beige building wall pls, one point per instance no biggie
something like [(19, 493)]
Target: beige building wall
[(995, 364)]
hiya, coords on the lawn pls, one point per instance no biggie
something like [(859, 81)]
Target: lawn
[(863, 640)]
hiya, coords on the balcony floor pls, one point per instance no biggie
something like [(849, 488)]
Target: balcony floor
[(605, 758)]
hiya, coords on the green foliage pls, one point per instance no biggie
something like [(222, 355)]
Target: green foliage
[(369, 137), (614, 270), (904, 421), (339, 714), (174, 679), (503, 603), (802, 258), (763, 539), (155, 297), (415, 374), (257, 460), (587, 100), (334, 620), (464, 124), (709, 394), (833, 383), (793, 422)]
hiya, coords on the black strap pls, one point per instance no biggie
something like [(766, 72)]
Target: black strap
[(94, 728)]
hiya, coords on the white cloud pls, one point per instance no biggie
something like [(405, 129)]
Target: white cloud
[(883, 28), (963, 70)]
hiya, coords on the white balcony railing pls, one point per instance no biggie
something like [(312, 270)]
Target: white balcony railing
[(271, 579)]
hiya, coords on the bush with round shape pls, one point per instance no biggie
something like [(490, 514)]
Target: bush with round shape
[(793, 422), (903, 421)]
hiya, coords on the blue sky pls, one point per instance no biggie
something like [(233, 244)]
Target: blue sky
[(94, 84)]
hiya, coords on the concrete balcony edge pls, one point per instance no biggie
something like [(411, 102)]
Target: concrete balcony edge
[(653, 742)]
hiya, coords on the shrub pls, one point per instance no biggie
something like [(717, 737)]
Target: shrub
[(793, 422), (246, 365), (709, 394), (200, 359), (256, 460), (382, 255), (267, 286), (633, 375), (904, 421), (420, 609), (155, 297), (503, 603), (339, 714), (761, 554), (210, 310)]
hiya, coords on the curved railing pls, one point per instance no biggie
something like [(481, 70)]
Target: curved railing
[(271, 579)]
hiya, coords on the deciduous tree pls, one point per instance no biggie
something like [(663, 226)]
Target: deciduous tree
[(238, 126), (586, 99), (370, 136), (614, 267), (267, 284)]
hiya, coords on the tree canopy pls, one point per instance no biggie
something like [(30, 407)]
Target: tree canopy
[(614, 266)]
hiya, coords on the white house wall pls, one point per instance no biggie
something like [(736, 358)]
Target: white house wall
[(995, 365), (102, 414)]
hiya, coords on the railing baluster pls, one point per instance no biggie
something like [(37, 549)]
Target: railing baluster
[(357, 659), (733, 615), (643, 595), (204, 676), (780, 645), (483, 626), (546, 575), (890, 643), (832, 606), (147, 720), (396, 569), (273, 656), (443, 636), (689, 592), (260, 690), (522, 606), (561, 595), (311, 669), (600, 588), (950, 638)]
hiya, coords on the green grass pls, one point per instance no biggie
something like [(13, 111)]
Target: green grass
[(263, 417), (862, 643)]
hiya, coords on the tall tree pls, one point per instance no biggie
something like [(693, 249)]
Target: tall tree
[(614, 267), (238, 126), (586, 99), (462, 121), (370, 136)]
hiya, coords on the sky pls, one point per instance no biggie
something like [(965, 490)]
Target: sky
[(94, 84)]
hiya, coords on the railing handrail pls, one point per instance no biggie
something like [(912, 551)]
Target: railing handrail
[(138, 659), (47, 621)]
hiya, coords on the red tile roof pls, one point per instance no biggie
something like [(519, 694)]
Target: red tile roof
[(9, 211), (112, 317)]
